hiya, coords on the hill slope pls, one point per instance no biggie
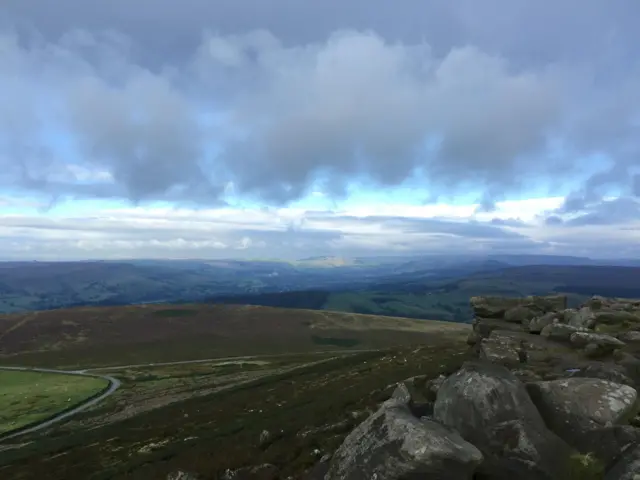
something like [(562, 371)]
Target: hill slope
[(147, 333)]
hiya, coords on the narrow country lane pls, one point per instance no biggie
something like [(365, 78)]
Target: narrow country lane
[(114, 384)]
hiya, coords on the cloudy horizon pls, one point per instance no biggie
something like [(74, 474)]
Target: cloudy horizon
[(232, 130)]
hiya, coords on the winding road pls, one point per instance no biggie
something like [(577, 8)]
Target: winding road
[(114, 384)]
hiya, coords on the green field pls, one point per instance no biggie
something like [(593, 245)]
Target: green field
[(27, 397)]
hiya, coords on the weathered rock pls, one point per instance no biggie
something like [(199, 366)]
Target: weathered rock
[(394, 444), (573, 406), (266, 471), (583, 318), (537, 324), (490, 408), (520, 314), (560, 331), (627, 467), (606, 342), (604, 371), (473, 338), (500, 349), (630, 336), (182, 475)]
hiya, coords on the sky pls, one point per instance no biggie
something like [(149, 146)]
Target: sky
[(287, 129)]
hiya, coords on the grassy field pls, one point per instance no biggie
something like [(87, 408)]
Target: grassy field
[(307, 410), (27, 397)]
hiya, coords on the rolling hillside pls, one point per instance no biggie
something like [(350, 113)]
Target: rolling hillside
[(117, 335)]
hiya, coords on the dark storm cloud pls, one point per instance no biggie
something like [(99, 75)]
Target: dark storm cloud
[(176, 100)]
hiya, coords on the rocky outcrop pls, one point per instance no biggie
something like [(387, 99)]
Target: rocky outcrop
[(552, 395), (394, 443)]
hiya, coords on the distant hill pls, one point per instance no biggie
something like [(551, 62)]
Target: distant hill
[(378, 285), (420, 295)]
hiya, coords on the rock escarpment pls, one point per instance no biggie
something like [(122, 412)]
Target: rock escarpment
[(551, 395)]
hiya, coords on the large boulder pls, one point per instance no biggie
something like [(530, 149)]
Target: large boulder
[(393, 444), (491, 408), (573, 406), (560, 332)]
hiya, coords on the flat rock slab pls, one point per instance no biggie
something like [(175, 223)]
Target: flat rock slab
[(573, 406)]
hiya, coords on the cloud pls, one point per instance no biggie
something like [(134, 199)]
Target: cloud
[(279, 106), (618, 211)]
